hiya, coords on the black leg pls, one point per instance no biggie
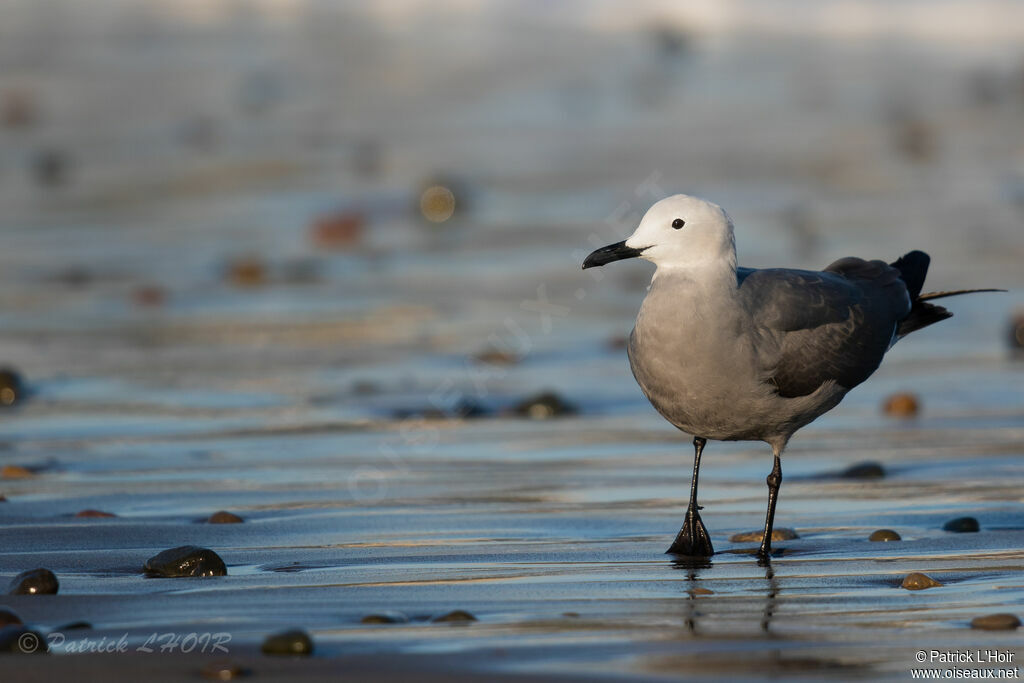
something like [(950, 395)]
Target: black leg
[(774, 480), (693, 540)]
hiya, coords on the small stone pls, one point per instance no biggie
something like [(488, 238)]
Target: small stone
[(8, 617), (50, 167), (571, 615), (863, 470), (3, 498), (916, 581), (223, 670), (338, 230), (34, 582), (385, 618), (694, 592), (224, 517), (21, 640), (778, 534), (149, 296), (12, 388), (962, 525), (16, 472), (94, 513), (884, 535), (455, 616), (901, 405), (437, 203), (496, 357), (74, 626), (248, 271), (996, 622), (186, 560), (543, 406), (1015, 335), (293, 642)]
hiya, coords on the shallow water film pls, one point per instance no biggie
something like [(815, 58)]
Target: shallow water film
[(300, 378)]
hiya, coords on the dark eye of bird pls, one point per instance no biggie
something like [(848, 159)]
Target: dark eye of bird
[(678, 223)]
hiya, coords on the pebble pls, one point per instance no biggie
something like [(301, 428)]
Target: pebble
[(186, 560), (884, 535), (385, 618), (901, 405), (996, 622), (437, 203), (496, 357), (864, 470), (916, 581), (544, 406), (16, 472), (455, 616), (74, 626), (1015, 335), (778, 534), (12, 388), (293, 642), (20, 639), (8, 617), (223, 670), (694, 592), (224, 517), (248, 271), (18, 108), (962, 525), (3, 498), (94, 513), (337, 230), (34, 582), (149, 296), (50, 167)]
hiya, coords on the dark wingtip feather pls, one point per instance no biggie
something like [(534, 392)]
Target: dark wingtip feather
[(913, 267), (921, 315)]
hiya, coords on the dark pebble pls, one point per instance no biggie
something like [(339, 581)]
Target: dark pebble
[(8, 617), (3, 498), (12, 388), (149, 295), (294, 642), (543, 406), (884, 535), (50, 167), (187, 560), (1015, 335), (385, 618), (916, 581), (224, 517), (21, 640), (962, 525), (455, 616), (94, 513), (864, 470), (996, 622), (74, 626), (226, 670), (34, 582)]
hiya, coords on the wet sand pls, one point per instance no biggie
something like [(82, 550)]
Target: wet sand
[(319, 393)]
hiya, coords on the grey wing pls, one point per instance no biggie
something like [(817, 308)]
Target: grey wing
[(813, 327)]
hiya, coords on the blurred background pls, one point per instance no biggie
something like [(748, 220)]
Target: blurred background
[(314, 210)]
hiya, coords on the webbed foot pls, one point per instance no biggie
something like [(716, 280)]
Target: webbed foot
[(693, 539)]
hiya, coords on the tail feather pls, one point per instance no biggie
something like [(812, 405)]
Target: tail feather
[(953, 292), (913, 267), (921, 315)]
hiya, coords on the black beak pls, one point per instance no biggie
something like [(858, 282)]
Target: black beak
[(613, 252)]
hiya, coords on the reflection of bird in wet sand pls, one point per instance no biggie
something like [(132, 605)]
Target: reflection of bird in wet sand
[(749, 354)]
